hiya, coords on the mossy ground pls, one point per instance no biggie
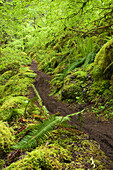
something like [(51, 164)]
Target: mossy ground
[(64, 149)]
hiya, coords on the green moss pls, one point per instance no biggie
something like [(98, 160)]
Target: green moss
[(5, 66), (80, 88), (13, 55), (14, 101), (19, 83), (6, 76), (6, 136), (82, 75), (74, 85), (1, 91), (99, 89), (103, 64), (13, 107), (13, 88), (76, 142), (71, 91), (78, 74), (50, 157), (16, 86), (64, 149), (89, 67)]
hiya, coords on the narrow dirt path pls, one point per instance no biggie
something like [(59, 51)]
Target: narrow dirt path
[(100, 131)]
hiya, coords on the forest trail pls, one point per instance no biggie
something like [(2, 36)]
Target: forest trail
[(100, 131)]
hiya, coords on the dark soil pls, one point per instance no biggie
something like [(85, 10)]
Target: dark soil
[(98, 130)]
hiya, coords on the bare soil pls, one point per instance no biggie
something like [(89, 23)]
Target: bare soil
[(98, 130)]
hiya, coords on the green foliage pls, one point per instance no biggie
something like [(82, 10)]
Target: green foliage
[(18, 83), (99, 91), (38, 133), (6, 65), (42, 131), (5, 77)]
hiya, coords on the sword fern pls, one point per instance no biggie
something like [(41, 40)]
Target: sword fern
[(31, 140), (42, 131)]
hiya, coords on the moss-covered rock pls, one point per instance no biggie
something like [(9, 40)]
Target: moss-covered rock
[(81, 75), (14, 65), (6, 76), (18, 83), (75, 85), (50, 157), (13, 107), (13, 87), (6, 136), (98, 90), (16, 86), (103, 64), (71, 91)]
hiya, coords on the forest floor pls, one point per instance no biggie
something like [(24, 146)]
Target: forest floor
[(97, 129)]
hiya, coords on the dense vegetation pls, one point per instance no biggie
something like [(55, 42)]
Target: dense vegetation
[(73, 42)]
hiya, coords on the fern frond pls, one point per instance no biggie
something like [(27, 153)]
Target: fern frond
[(73, 66), (73, 114), (31, 140)]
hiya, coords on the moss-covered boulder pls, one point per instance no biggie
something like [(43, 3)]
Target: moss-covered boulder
[(5, 66), (6, 136), (13, 87), (19, 83), (13, 107), (50, 157), (16, 84), (71, 91), (6, 76), (103, 64), (75, 85), (99, 90)]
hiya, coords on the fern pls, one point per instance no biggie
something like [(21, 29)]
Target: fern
[(39, 133), (74, 65), (89, 59), (31, 140)]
